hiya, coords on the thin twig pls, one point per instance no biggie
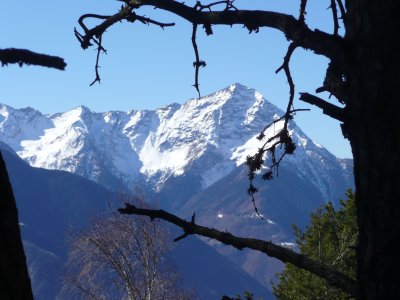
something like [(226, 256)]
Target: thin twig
[(255, 207), (198, 63), (286, 68), (292, 112), (282, 138), (342, 12), (303, 4), (335, 18), (95, 34), (151, 21), (99, 49), (228, 5)]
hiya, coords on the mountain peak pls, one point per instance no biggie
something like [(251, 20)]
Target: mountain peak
[(81, 109), (79, 113), (4, 107), (235, 93), (212, 135), (238, 86)]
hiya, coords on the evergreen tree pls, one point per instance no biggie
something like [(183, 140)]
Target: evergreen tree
[(330, 238)]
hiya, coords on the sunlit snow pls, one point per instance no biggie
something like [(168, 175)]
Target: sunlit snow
[(209, 137)]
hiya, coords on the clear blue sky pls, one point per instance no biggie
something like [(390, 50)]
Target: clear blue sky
[(147, 67)]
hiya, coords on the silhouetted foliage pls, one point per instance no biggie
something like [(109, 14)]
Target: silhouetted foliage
[(246, 296)]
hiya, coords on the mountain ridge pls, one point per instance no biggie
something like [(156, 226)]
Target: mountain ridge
[(210, 136), (189, 157)]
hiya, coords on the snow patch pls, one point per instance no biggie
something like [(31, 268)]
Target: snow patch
[(301, 141), (288, 245), (215, 173), (318, 145), (239, 154)]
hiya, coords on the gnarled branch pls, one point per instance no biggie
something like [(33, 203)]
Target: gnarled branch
[(95, 34), (296, 30), (285, 255)]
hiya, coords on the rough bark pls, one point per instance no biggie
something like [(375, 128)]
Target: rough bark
[(374, 133), (14, 278)]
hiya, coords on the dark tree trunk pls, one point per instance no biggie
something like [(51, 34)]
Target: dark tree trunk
[(374, 133), (14, 279)]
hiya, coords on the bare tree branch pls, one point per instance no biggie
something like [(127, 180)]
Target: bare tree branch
[(335, 17), (95, 34), (198, 63), (126, 13), (302, 14), (295, 30), (285, 67), (27, 57), (327, 108), (99, 49), (282, 138), (342, 12), (285, 255), (256, 161)]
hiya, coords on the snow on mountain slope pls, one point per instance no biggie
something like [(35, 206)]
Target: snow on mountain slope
[(205, 138), (17, 125)]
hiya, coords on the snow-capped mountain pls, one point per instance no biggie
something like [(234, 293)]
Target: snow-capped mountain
[(203, 139), (190, 157)]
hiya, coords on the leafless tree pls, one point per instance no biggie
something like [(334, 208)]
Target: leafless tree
[(117, 257)]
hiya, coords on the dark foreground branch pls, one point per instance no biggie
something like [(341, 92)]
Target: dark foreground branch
[(26, 57), (327, 108), (14, 277), (285, 255), (295, 30)]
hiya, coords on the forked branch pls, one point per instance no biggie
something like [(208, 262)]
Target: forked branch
[(95, 34), (294, 29)]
